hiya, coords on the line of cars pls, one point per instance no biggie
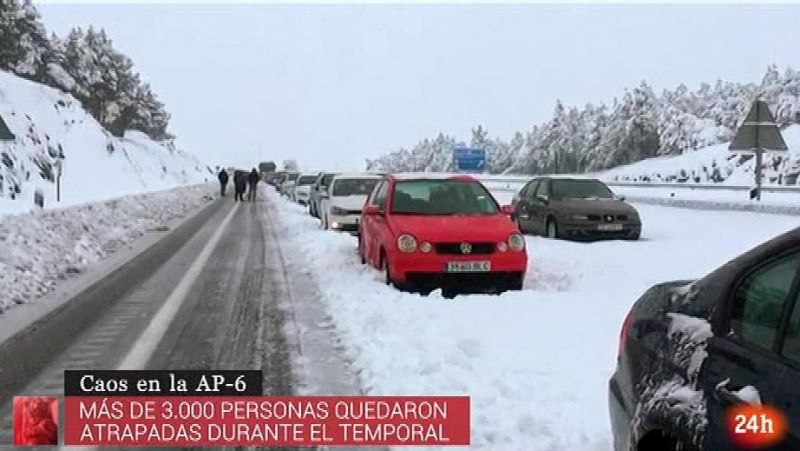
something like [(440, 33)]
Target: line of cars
[(427, 231), (689, 350)]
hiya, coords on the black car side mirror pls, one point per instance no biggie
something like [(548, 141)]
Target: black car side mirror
[(543, 199)]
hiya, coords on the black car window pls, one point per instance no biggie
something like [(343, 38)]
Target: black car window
[(759, 299), (530, 190), (543, 189), (353, 187), (791, 344), (380, 195), (580, 189), (326, 180), (306, 180)]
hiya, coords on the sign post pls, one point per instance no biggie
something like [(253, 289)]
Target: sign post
[(758, 133), (58, 166), (469, 159)]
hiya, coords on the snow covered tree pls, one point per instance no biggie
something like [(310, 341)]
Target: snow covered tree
[(84, 64), (639, 125), (25, 46)]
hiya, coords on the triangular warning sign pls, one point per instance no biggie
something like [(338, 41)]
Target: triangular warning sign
[(5, 133), (758, 130)]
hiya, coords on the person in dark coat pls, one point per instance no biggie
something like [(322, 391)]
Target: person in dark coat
[(239, 184), (223, 181), (252, 179)]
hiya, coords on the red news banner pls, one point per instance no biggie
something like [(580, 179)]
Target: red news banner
[(266, 421)]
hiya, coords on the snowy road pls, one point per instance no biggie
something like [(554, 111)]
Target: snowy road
[(232, 314), (536, 363)]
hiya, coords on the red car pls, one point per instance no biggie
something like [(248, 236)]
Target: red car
[(441, 231)]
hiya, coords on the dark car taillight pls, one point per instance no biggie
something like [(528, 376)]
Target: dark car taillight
[(627, 325)]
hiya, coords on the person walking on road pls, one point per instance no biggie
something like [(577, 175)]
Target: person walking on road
[(252, 179), (240, 184), (223, 181)]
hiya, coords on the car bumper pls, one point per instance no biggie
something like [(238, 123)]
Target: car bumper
[(430, 269), (590, 231), (344, 223), (620, 419)]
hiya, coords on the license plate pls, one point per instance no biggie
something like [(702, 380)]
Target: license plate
[(609, 227), (479, 266)]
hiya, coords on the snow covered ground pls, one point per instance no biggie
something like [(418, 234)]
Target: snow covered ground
[(536, 362), (702, 163), (48, 123), (40, 248)]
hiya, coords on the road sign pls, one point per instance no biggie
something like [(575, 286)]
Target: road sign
[(58, 166), (469, 159), (758, 133)]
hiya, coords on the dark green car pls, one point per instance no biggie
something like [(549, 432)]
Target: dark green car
[(575, 208)]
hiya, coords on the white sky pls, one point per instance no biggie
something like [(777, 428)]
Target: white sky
[(329, 85)]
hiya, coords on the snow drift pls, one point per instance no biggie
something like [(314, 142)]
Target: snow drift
[(39, 249), (50, 125)]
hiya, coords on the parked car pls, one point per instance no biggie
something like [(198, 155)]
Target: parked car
[(341, 206), (690, 350), (271, 177), (319, 187), (302, 188), (426, 231), (287, 186), (278, 178), (575, 208)]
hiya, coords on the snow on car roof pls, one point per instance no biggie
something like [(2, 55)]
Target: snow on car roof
[(565, 176), (430, 176), (357, 175)]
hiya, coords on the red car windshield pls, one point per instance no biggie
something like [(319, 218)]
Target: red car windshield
[(442, 197)]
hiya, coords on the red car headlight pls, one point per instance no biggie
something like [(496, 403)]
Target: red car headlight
[(406, 243), (516, 242)]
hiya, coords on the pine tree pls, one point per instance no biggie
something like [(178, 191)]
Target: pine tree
[(25, 45)]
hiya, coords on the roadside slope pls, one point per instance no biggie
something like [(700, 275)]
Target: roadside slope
[(49, 125)]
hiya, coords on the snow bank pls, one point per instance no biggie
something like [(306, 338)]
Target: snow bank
[(96, 165), (39, 249), (536, 363), (714, 164)]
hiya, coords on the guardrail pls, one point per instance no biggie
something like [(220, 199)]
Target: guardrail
[(711, 187), (509, 183)]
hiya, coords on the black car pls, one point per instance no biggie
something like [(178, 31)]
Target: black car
[(689, 350), (574, 208)]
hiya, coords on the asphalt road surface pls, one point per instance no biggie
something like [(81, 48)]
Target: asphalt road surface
[(216, 293)]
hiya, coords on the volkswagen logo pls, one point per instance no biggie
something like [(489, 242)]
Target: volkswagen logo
[(466, 248), (609, 218)]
